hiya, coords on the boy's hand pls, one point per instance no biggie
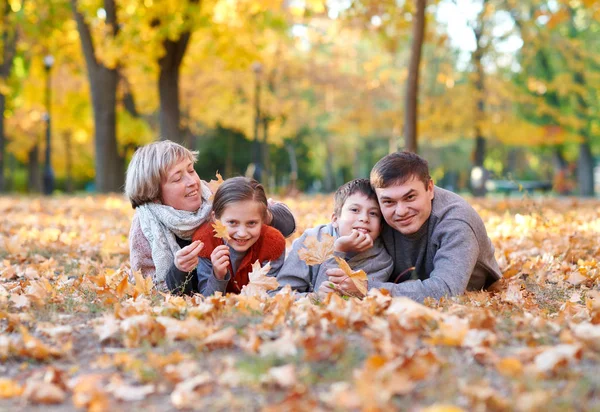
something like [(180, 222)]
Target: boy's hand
[(354, 242), (186, 258), (324, 289), (342, 282), (220, 261)]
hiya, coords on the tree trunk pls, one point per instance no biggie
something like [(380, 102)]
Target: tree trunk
[(34, 176), (168, 88), (266, 159), (69, 163), (2, 144), (9, 43), (585, 170), (293, 169), (110, 167), (478, 187), (412, 82)]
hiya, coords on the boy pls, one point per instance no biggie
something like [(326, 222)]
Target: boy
[(356, 224)]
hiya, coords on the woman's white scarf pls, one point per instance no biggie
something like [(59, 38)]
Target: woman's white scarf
[(160, 224)]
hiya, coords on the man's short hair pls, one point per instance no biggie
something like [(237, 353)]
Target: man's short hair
[(346, 190), (398, 168), (148, 166)]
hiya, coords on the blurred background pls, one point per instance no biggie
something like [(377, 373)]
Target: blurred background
[(500, 96)]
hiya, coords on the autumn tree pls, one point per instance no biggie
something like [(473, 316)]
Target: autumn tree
[(9, 35), (103, 81)]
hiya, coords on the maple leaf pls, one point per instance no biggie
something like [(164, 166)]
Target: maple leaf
[(359, 277), (213, 185), (9, 388), (259, 281), (220, 230), (315, 252), (143, 285)]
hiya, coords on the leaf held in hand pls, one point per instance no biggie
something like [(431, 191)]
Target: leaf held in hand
[(359, 277), (220, 230), (315, 252)]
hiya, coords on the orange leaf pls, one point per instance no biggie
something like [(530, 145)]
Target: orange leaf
[(359, 277), (315, 252), (259, 281), (213, 185), (220, 230)]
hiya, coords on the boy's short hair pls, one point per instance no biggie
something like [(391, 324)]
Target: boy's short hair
[(362, 186), (148, 166), (398, 168)]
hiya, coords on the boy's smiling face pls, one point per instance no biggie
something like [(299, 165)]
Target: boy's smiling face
[(359, 213)]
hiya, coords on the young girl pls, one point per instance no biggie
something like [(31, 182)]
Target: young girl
[(241, 205)]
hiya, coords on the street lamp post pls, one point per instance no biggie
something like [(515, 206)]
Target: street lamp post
[(48, 172), (256, 158)]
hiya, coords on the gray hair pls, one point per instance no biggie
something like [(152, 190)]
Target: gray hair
[(148, 166)]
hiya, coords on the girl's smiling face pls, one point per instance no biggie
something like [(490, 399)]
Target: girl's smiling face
[(243, 221)]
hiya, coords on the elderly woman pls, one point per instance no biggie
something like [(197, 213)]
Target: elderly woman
[(170, 202)]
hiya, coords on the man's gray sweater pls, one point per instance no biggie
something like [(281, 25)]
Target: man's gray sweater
[(376, 263), (450, 253)]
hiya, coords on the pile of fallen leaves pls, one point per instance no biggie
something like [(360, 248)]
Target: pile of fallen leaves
[(76, 332)]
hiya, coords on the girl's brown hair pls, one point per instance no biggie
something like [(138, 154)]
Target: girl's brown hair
[(239, 189)]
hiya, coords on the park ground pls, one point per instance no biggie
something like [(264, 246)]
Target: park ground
[(76, 334)]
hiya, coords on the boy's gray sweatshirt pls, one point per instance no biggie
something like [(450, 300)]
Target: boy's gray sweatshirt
[(376, 262), (451, 252)]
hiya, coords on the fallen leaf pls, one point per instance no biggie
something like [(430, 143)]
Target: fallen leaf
[(190, 393), (43, 392), (259, 283), (9, 388), (557, 356)]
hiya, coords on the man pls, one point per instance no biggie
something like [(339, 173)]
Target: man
[(438, 242)]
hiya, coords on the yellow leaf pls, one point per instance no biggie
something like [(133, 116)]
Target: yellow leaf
[(213, 185), (220, 230), (259, 281), (9, 388), (359, 277), (143, 286), (315, 252)]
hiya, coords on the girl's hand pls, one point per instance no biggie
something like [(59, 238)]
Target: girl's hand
[(354, 242), (220, 261), (186, 258)]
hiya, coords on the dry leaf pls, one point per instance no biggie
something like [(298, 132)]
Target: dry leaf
[(189, 393), (213, 185), (220, 339), (9, 388), (220, 230), (315, 252), (557, 356), (43, 392), (259, 283), (359, 277)]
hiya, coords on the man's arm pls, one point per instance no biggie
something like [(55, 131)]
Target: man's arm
[(282, 218), (453, 265)]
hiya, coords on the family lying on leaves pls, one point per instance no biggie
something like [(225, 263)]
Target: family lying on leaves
[(410, 237)]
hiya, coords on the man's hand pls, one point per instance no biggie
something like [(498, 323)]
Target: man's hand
[(220, 261), (342, 282), (354, 242), (186, 258)]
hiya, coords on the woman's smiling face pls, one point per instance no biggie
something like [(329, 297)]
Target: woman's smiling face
[(180, 187)]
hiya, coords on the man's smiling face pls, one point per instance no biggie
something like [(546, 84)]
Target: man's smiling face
[(406, 206)]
